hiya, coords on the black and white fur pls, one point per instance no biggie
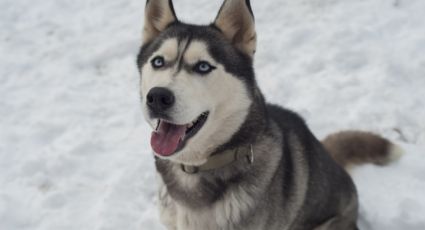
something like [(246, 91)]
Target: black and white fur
[(292, 184)]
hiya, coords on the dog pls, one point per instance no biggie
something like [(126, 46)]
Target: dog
[(226, 159)]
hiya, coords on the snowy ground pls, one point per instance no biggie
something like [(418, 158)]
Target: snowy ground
[(74, 150)]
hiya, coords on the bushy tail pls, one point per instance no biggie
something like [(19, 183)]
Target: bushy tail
[(350, 148)]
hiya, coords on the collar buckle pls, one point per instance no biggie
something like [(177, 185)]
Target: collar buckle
[(251, 155), (189, 169)]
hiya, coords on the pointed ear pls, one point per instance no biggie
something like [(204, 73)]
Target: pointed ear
[(158, 15), (236, 20)]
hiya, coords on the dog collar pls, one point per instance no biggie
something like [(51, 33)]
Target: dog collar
[(220, 160)]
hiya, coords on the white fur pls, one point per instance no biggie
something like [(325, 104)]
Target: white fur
[(167, 207), (221, 215), (395, 153), (220, 93)]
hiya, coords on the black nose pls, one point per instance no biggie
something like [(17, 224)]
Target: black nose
[(159, 99)]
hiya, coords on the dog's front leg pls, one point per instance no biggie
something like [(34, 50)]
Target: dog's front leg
[(167, 209)]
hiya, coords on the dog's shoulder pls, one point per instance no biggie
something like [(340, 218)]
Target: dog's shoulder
[(287, 120)]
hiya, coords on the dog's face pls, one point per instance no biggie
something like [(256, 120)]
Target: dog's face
[(195, 80)]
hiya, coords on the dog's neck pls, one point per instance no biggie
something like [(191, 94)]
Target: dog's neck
[(222, 159)]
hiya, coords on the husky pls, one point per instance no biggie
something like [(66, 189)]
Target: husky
[(226, 159)]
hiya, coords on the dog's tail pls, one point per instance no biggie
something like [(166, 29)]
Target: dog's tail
[(351, 148)]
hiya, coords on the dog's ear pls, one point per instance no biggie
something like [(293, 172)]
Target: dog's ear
[(158, 15), (236, 20)]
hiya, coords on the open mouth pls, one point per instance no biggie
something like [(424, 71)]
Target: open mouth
[(169, 138)]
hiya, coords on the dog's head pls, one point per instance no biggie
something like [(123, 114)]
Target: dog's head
[(197, 82)]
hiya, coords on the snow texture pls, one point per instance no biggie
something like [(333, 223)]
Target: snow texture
[(74, 148)]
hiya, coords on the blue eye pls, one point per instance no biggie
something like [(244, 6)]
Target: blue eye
[(203, 67), (158, 62)]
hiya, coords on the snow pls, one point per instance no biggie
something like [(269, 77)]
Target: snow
[(74, 149)]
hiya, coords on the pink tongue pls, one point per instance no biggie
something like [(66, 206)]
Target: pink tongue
[(166, 139)]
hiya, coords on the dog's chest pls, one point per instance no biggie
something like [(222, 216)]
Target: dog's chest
[(223, 214)]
